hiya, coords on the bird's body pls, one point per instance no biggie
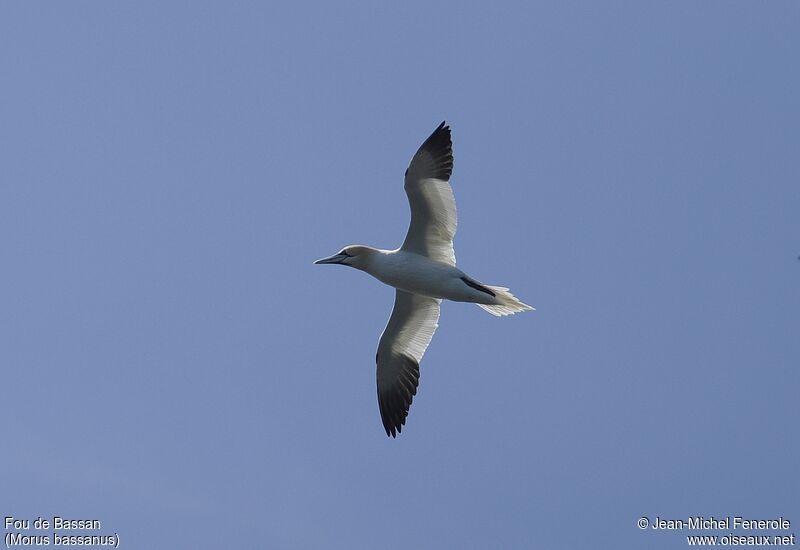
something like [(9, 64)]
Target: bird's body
[(417, 274), (423, 271)]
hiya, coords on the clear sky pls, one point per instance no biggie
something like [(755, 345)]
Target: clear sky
[(175, 366)]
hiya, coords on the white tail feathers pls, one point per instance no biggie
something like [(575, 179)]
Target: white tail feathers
[(509, 305)]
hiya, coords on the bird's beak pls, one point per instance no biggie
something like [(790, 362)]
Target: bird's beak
[(335, 259)]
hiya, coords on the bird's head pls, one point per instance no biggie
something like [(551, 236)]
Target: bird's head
[(354, 255)]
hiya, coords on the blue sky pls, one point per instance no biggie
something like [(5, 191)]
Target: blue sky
[(175, 366)]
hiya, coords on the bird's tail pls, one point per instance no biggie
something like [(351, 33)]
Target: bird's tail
[(509, 304)]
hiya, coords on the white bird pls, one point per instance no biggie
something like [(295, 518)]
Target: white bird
[(424, 272)]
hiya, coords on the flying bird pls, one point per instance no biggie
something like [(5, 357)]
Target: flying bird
[(423, 271)]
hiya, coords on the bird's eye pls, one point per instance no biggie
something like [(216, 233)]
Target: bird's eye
[(344, 253)]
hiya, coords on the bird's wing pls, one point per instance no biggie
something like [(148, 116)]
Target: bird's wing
[(403, 342), (433, 207)]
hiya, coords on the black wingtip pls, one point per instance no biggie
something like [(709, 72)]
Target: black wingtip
[(442, 131), (439, 146), (395, 402)]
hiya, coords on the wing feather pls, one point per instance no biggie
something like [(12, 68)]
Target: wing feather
[(433, 206), (403, 343)]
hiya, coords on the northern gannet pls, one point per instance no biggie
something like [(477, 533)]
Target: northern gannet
[(423, 271)]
